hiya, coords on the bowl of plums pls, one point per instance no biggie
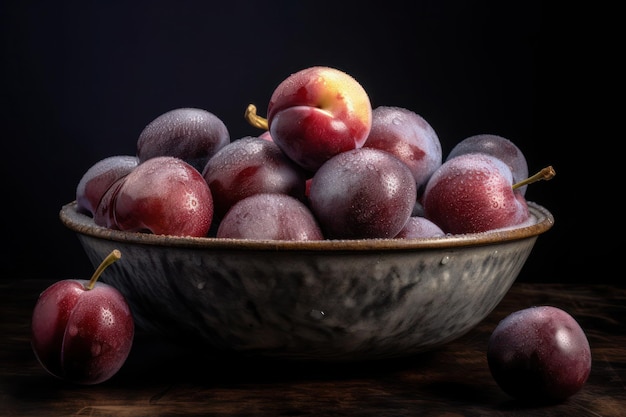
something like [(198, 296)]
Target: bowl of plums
[(337, 232)]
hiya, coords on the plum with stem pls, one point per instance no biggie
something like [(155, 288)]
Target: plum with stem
[(316, 113), (474, 192), (82, 330)]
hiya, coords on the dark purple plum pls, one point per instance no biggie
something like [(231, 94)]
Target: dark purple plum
[(269, 216), (500, 147), (539, 354), (419, 227), (248, 166), (409, 137), (362, 193), (98, 178), (191, 134)]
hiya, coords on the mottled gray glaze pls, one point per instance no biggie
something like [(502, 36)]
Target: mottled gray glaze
[(344, 301)]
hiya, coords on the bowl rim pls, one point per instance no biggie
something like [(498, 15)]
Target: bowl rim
[(83, 224)]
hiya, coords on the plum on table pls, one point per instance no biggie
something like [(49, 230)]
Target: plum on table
[(539, 354), (82, 330)]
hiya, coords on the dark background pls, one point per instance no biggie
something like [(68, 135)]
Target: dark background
[(81, 81)]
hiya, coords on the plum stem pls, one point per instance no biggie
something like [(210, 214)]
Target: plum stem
[(112, 257), (545, 174), (254, 119)]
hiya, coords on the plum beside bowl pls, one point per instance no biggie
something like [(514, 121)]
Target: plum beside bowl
[(330, 300)]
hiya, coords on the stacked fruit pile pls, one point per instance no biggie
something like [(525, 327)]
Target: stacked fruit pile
[(325, 166)]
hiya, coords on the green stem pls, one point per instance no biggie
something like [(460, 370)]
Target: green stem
[(545, 174), (112, 257)]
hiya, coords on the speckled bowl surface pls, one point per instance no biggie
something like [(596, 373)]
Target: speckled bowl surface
[(330, 300)]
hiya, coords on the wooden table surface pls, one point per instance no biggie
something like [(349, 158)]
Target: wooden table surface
[(162, 379)]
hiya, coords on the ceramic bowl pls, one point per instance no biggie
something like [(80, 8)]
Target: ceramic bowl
[(330, 300)]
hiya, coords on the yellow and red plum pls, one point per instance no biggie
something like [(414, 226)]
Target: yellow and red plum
[(319, 112)]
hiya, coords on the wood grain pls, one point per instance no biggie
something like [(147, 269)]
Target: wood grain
[(161, 378)]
